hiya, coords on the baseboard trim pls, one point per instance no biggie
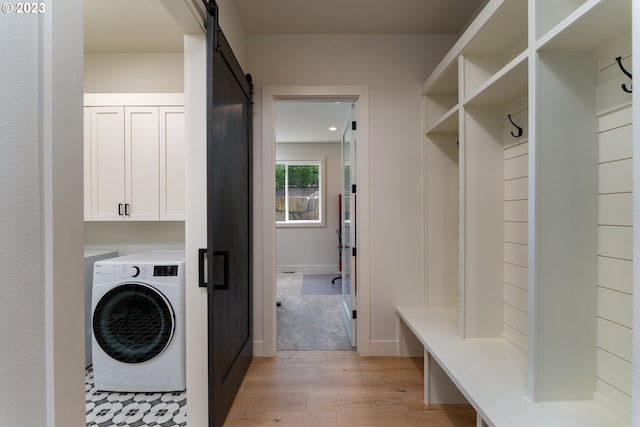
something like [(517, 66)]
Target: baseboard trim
[(258, 349), (384, 347), (307, 268)]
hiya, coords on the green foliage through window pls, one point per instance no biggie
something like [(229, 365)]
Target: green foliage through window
[(302, 176), (280, 176)]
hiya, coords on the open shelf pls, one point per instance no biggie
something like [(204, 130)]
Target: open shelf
[(503, 87), (566, 239), (504, 33), (550, 13), (446, 123), (494, 222), (497, 43), (588, 27), (442, 169), (442, 98)]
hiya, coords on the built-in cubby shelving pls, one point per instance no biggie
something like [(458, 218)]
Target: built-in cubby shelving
[(588, 26), (528, 166), (442, 102)]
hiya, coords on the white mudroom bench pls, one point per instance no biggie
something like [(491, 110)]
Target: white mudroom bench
[(491, 375)]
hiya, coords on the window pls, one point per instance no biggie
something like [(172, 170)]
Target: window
[(299, 193)]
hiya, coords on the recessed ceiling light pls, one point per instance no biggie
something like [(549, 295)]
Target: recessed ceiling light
[(333, 128)]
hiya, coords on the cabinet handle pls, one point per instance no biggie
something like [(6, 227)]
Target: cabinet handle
[(126, 209), (120, 209)]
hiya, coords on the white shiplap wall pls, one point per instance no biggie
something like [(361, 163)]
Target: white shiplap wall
[(516, 201), (614, 230)]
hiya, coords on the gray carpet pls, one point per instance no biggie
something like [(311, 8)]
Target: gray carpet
[(308, 322)]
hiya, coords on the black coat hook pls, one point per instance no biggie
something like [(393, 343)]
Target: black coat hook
[(519, 134), (628, 74)]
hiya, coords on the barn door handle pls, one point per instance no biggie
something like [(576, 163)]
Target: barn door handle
[(202, 268), (220, 270)]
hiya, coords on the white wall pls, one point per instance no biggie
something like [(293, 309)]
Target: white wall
[(41, 297), (312, 248), (393, 67), (132, 237), (133, 72), (233, 29), (22, 369)]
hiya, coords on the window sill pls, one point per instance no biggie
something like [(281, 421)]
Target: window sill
[(300, 224)]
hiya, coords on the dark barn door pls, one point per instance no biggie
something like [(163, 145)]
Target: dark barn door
[(229, 221)]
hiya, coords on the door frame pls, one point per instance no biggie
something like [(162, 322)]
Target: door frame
[(269, 95)]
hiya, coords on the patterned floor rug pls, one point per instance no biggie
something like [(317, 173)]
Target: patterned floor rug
[(106, 409)]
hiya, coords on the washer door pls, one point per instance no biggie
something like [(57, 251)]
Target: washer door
[(133, 323)]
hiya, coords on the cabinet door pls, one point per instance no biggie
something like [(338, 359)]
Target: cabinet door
[(142, 175), (172, 170), (107, 163), (86, 153)]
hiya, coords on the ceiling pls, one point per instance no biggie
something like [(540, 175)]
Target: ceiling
[(309, 120), (356, 16), (145, 26)]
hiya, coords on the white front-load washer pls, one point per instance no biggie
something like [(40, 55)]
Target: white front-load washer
[(138, 322), (90, 257)]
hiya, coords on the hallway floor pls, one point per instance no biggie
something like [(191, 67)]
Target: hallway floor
[(336, 389)]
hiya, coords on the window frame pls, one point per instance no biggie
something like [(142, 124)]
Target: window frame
[(321, 172)]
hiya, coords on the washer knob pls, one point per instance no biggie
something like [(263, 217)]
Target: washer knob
[(134, 271)]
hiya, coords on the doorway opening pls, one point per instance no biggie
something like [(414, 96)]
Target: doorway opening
[(309, 182), (310, 293)]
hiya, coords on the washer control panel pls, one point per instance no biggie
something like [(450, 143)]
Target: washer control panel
[(134, 271), (168, 268)]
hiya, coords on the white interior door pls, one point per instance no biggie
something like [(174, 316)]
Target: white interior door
[(348, 226)]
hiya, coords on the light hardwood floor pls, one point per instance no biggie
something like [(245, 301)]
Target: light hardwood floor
[(339, 388)]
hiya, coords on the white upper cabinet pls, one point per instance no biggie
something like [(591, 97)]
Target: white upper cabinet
[(134, 159), (172, 163), (142, 164), (87, 162), (107, 163)]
